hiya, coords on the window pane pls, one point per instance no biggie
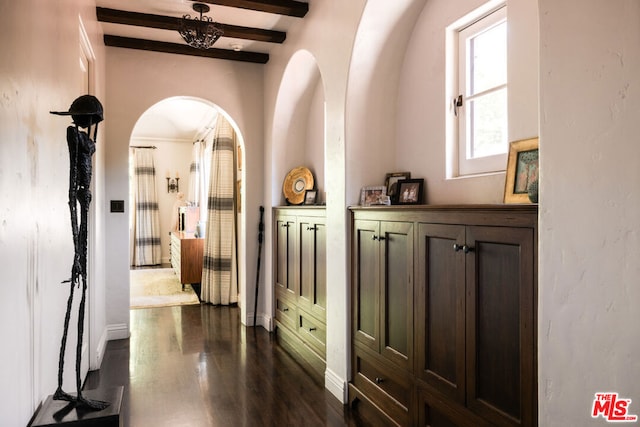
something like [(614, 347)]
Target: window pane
[(488, 59), (487, 125)]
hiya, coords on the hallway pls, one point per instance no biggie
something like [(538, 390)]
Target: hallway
[(199, 366)]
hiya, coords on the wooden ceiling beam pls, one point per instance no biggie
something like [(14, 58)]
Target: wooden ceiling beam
[(293, 8), (180, 49), (172, 23)]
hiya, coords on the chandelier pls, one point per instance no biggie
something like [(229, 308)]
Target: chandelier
[(201, 32)]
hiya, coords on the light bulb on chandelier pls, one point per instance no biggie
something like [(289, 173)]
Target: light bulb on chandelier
[(201, 32)]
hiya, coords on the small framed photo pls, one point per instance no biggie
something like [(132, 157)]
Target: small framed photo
[(522, 170), (410, 191), (373, 195), (391, 182), (310, 197)]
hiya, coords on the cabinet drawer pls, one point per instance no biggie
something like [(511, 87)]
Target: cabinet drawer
[(285, 312), (312, 331), (385, 385)]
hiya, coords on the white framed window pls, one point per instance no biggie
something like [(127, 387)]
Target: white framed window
[(478, 78)]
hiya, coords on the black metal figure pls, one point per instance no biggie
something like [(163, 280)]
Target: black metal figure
[(86, 112)]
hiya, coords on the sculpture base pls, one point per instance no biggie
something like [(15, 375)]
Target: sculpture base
[(65, 414)]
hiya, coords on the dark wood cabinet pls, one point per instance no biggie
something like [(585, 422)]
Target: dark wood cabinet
[(440, 309), (500, 324), (300, 271), (285, 253), (383, 314), (187, 252), (470, 344), (312, 265), (383, 298)]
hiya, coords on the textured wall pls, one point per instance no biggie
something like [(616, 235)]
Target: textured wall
[(589, 340), (39, 72)]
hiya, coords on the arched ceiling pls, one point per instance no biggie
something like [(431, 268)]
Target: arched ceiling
[(178, 119)]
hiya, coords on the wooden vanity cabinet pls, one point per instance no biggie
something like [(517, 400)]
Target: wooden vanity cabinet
[(473, 320), (187, 254)]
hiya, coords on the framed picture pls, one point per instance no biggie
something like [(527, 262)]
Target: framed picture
[(374, 195), (391, 182), (522, 170), (310, 197), (410, 191)]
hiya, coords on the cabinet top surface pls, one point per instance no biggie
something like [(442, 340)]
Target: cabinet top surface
[(312, 207), (461, 207), (499, 214), (185, 235)]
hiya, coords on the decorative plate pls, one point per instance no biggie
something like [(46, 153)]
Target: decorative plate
[(297, 181)]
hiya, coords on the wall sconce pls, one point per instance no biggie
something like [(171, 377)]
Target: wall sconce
[(172, 183)]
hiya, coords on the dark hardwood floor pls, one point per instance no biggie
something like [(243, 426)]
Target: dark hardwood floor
[(199, 366)]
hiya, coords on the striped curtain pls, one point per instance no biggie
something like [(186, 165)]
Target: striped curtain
[(219, 274), (197, 187), (146, 222)]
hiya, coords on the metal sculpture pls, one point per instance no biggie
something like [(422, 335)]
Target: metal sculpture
[(86, 111)]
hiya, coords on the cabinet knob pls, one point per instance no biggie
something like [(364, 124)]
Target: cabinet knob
[(311, 228), (285, 309), (465, 248), (379, 380), (380, 238)]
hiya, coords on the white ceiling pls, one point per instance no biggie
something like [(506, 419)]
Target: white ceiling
[(178, 8), (178, 119)]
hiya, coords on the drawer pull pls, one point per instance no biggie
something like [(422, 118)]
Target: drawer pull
[(285, 309), (380, 238), (312, 329), (379, 380)]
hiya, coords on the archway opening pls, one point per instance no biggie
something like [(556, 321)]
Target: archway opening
[(170, 131)]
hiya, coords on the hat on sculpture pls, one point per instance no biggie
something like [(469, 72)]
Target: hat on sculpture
[(86, 110)]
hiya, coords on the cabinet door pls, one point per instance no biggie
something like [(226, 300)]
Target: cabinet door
[(285, 249), (396, 243), (312, 265), (366, 292), (440, 308), (500, 324)]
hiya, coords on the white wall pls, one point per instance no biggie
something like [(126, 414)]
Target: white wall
[(138, 80), (589, 340), (327, 34), (173, 157), (39, 72), (314, 138), (419, 142)]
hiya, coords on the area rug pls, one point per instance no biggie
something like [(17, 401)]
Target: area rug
[(159, 287)]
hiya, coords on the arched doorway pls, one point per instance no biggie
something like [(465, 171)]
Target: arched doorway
[(170, 129)]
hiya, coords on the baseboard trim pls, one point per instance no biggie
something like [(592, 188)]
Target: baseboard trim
[(100, 349), (262, 320), (336, 385), (119, 331)]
